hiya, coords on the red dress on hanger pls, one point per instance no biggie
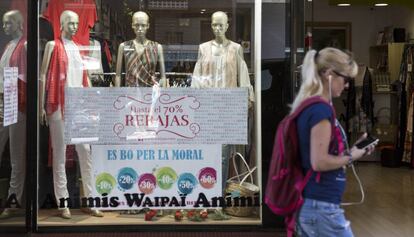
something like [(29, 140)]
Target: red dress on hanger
[(86, 11)]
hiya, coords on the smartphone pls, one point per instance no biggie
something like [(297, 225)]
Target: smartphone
[(366, 142)]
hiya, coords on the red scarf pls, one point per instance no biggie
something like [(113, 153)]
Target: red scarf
[(56, 79), (18, 59)]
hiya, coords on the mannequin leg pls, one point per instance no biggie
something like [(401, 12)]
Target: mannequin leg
[(85, 163), (18, 157), (56, 127)]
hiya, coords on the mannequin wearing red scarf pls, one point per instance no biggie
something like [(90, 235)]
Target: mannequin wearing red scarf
[(62, 67)]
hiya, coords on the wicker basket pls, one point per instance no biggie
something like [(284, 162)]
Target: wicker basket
[(237, 188)]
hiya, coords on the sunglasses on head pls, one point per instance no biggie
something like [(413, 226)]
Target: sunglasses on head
[(347, 79)]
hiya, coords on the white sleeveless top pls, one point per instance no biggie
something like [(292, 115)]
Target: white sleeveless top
[(74, 74)]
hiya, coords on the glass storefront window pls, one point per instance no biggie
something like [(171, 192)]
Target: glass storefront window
[(13, 113), (149, 112)]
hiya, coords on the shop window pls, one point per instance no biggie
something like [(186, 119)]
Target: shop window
[(148, 113)]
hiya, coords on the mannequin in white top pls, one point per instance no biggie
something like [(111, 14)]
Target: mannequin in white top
[(13, 27), (69, 21), (220, 62)]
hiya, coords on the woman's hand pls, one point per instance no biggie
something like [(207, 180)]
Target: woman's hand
[(357, 153)]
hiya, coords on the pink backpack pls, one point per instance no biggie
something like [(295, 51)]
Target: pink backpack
[(286, 181)]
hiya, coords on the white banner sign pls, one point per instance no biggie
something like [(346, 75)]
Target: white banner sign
[(10, 95), (156, 176), (131, 115)]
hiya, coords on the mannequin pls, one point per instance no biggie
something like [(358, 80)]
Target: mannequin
[(62, 67), (220, 64), (220, 61), (140, 56), (14, 55)]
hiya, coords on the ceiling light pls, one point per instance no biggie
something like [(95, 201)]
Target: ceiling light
[(343, 5), (381, 4)]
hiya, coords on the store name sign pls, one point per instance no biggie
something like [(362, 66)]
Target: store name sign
[(131, 115)]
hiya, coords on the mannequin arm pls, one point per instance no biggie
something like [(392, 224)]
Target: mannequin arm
[(240, 53), (163, 79), (118, 70), (42, 83), (243, 76), (197, 71)]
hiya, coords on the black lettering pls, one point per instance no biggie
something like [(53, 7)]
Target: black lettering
[(104, 200), (229, 202), (202, 199), (220, 201), (164, 201), (183, 197), (174, 202), (91, 202), (65, 202), (147, 202), (50, 202), (134, 198), (114, 202), (12, 201)]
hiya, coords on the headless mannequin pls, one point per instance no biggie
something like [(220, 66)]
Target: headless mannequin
[(135, 48), (69, 21), (13, 27)]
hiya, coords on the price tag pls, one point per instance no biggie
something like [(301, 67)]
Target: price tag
[(10, 95)]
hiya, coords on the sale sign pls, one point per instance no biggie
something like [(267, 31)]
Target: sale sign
[(156, 116), (156, 176)]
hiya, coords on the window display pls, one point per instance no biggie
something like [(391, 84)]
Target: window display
[(13, 57), (154, 144)]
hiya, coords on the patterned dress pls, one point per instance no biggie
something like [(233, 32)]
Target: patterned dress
[(140, 68)]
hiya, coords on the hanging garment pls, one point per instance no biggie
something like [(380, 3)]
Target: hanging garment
[(367, 103), (86, 10), (405, 89), (350, 108), (407, 148)]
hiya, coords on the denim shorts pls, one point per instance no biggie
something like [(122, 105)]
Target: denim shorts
[(323, 219)]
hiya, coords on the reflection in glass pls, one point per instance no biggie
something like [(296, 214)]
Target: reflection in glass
[(13, 116)]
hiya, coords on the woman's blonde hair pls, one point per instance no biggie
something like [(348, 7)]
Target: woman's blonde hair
[(317, 62)]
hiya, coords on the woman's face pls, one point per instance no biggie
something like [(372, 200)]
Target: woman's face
[(339, 81)]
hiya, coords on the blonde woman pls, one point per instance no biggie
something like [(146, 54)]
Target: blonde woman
[(326, 74)]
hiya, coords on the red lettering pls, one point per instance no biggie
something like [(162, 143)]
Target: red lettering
[(128, 120), (185, 120)]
